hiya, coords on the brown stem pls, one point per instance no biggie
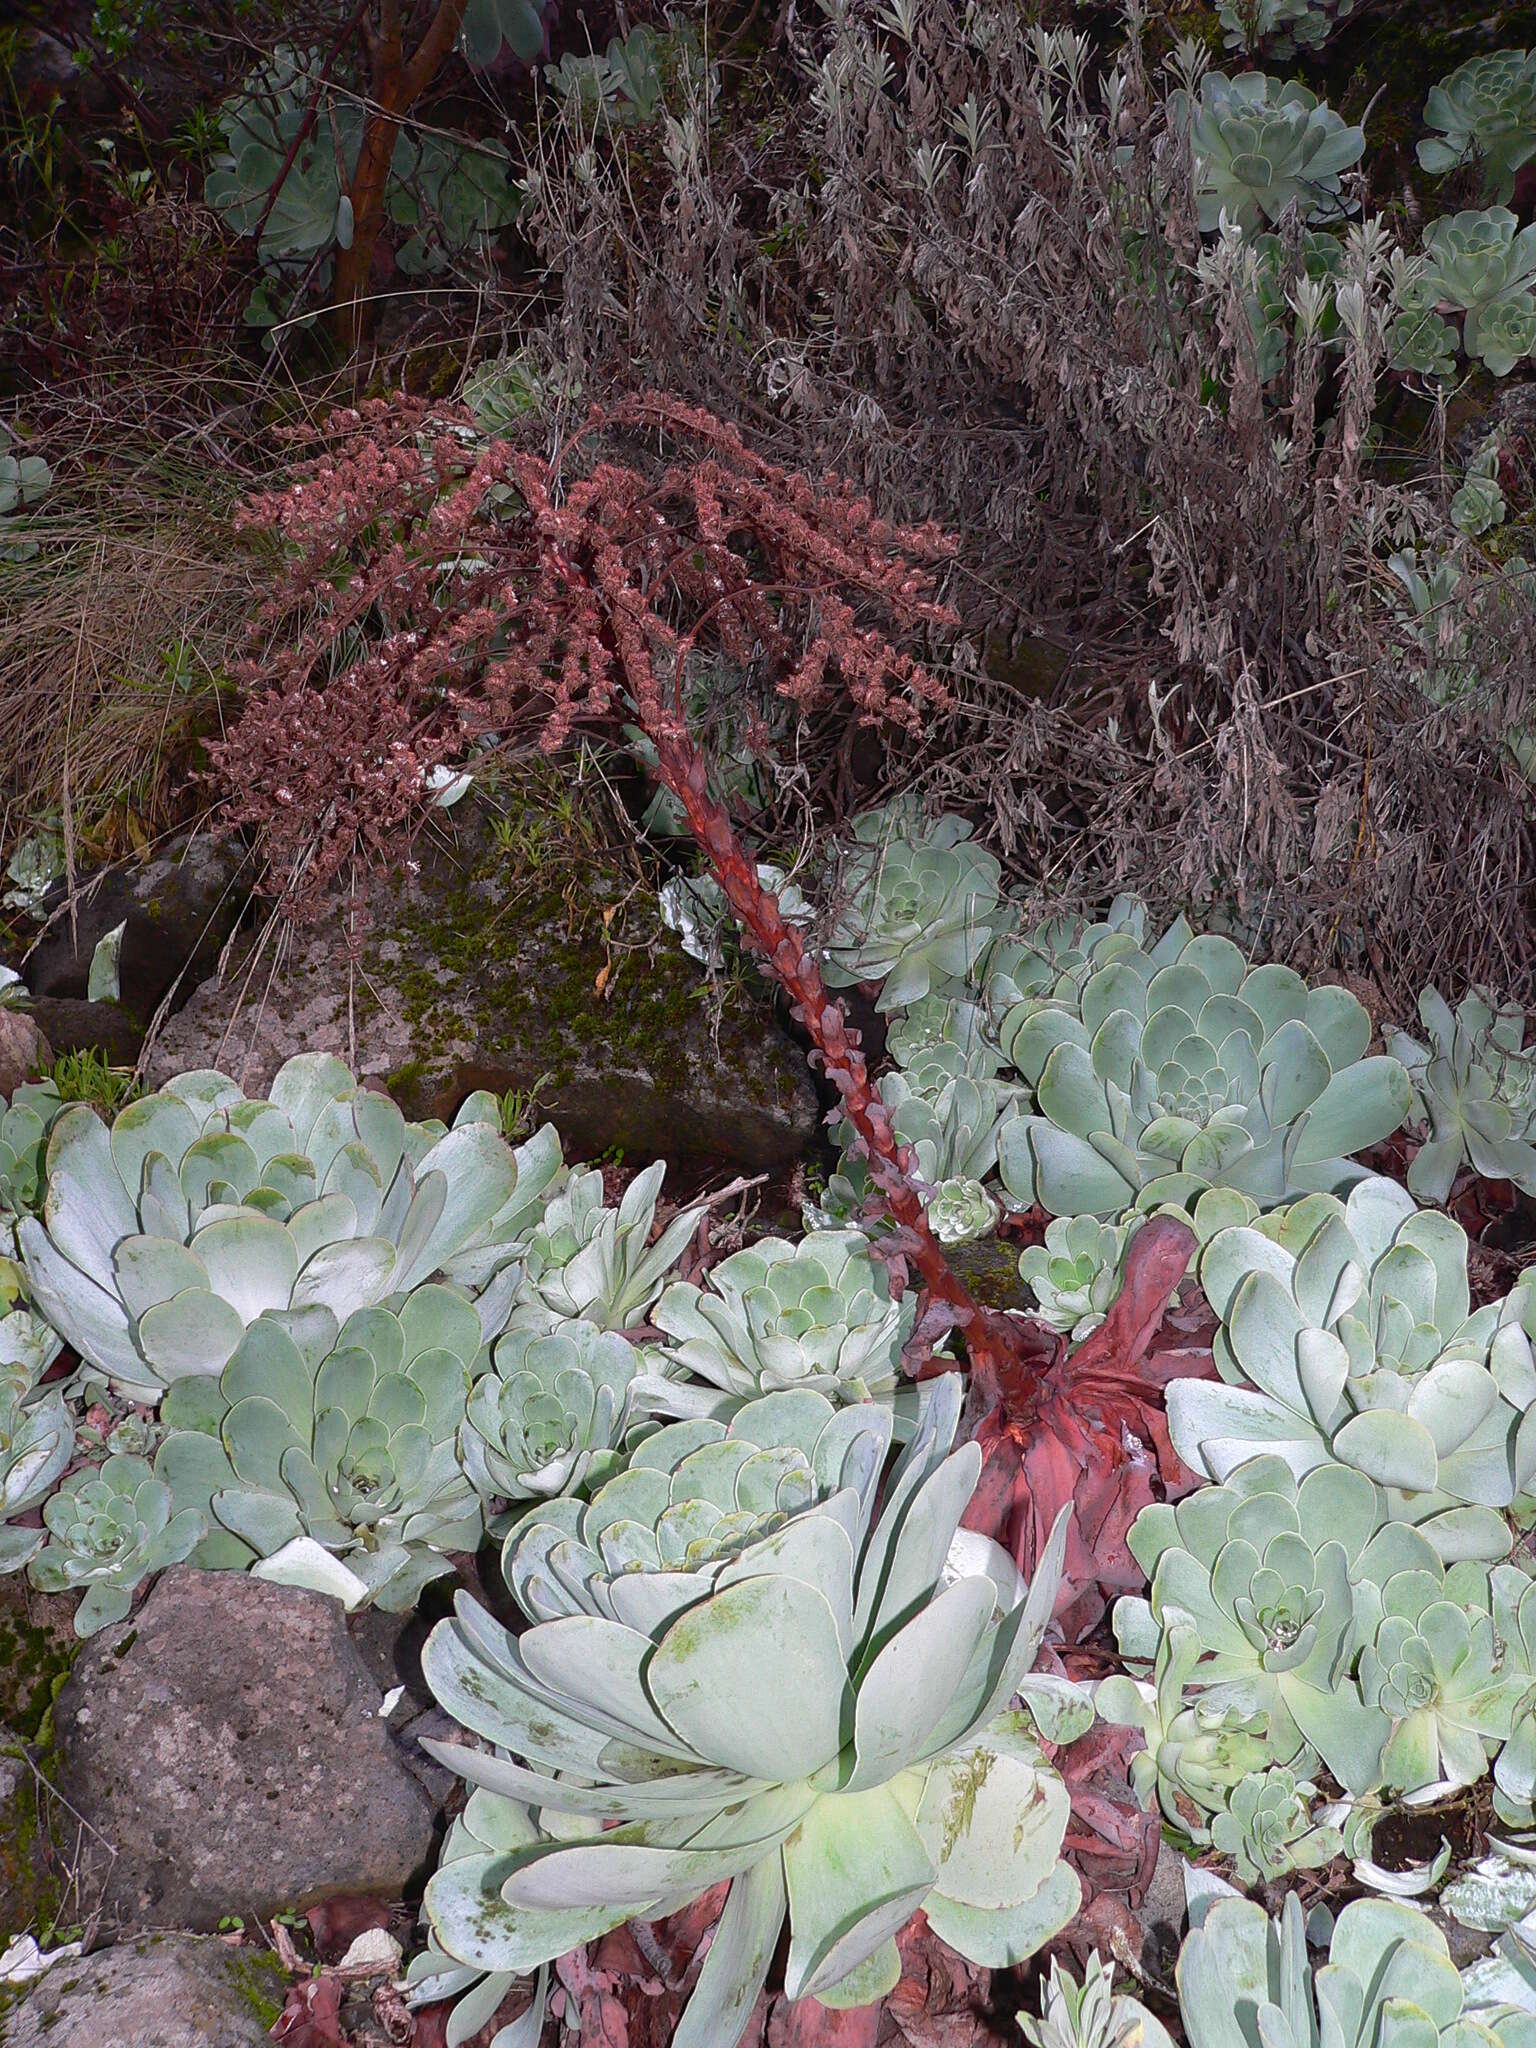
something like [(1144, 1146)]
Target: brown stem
[(397, 84), (1008, 1349)]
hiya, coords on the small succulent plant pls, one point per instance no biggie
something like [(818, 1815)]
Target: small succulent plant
[(1481, 265), (939, 1038), (1478, 506), (1092, 2014), (24, 481), (1197, 1749), (1389, 1978), (923, 902), (817, 1313), (1076, 1274), (1267, 1828), (1474, 1086), (37, 1441), (953, 1126), (598, 1264), (109, 1527), (164, 1238), (1485, 114), (1263, 1570), (1262, 146), (1348, 1336), (549, 1415), (327, 1456), (824, 1728), (691, 1499), (959, 1211), (1440, 1669), (25, 1122), (1281, 27), (489, 1826), (1161, 1071)]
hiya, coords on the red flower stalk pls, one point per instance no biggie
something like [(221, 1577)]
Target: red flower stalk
[(439, 586)]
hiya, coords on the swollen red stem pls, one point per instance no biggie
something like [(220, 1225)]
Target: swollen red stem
[(1009, 1351)]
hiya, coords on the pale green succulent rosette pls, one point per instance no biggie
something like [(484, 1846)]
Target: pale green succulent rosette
[(1076, 1274), (1197, 1749), (961, 1211), (923, 904), (1485, 112), (1389, 1978), (549, 1416), (1267, 1829), (776, 1315), (108, 1529), (691, 1499), (327, 1456), (1483, 265), (1348, 1335), (1474, 1086), (1092, 2014), (164, 1238), (1263, 145), (953, 1133), (1437, 1667), (1265, 1571), (594, 1264), (821, 1726), (37, 1441), (941, 1037), (1163, 1071), (1058, 954), (1281, 27)]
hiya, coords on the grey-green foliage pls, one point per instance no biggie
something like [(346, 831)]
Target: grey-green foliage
[(1348, 1335), (1485, 112), (489, 25), (589, 1261), (1281, 27), (1481, 266), (1282, 274), (452, 195), (549, 1415), (24, 481), (1445, 1659), (817, 1313), (37, 1440), (812, 1709), (1389, 1978), (1162, 1070), (1077, 1272), (1444, 618), (1477, 507), (108, 1528), (626, 85), (1263, 145), (489, 1827), (324, 1445), (1090, 2014), (1264, 1571), (1197, 1748), (25, 1122), (164, 1238), (1474, 1087), (1267, 1829), (922, 904)]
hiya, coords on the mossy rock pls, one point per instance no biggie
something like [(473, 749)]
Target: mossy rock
[(37, 1647), (162, 1991), (473, 975)]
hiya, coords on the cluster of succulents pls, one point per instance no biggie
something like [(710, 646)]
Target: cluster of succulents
[(1281, 27), (922, 902), (1480, 267), (1347, 1339), (812, 1714), (585, 1261), (1262, 146), (1162, 1070), (1484, 113), (1474, 1091)]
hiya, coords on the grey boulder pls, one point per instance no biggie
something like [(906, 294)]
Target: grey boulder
[(171, 1991)]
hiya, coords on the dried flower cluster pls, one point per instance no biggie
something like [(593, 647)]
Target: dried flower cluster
[(438, 587)]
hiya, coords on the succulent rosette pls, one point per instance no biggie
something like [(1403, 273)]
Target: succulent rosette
[(549, 1415), (108, 1528), (587, 1262), (1474, 1089)]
